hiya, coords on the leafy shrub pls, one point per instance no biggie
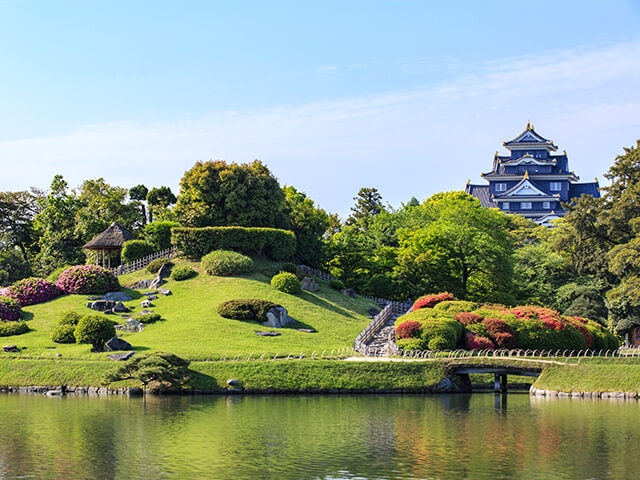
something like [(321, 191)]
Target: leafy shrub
[(287, 283), (64, 333), (467, 318), (159, 371), (53, 276), (410, 344), (477, 342), (500, 332), (95, 330), (455, 306), (447, 331), (486, 312), (224, 262), (69, 318), (581, 325), (147, 318), (159, 234), (133, 250), (336, 284), (429, 301), (410, 329), (478, 329), (157, 264), (182, 272), (439, 343), (422, 316), (10, 310), (87, 279), (32, 290), (249, 309), (8, 329), (289, 267), (273, 243)]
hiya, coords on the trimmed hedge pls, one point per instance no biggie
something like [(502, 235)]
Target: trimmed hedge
[(87, 279), (95, 330), (69, 318), (273, 243), (182, 273), (10, 310), (133, 250), (147, 318), (249, 309), (430, 301), (286, 282), (8, 329), (32, 290), (157, 264), (64, 333), (224, 262)]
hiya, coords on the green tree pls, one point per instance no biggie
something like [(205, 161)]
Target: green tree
[(139, 194), (159, 200), (159, 233), (17, 214), (219, 193), (368, 205)]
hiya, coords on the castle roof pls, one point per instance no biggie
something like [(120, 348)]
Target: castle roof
[(529, 138), (482, 193), (590, 188)]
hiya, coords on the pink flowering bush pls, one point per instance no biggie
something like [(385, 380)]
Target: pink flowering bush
[(9, 310), (32, 290), (87, 279), (477, 342)]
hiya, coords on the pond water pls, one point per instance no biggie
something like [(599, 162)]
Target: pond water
[(318, 437)]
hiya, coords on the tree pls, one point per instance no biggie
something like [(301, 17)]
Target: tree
[(159, 200), (217, 193), (159, 233), (17, 214), (95, 330), (139, 194), (368, 204)]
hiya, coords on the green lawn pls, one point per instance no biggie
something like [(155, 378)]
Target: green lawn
[(192, 328)]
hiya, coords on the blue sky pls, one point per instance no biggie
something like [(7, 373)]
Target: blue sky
[(409, 97)]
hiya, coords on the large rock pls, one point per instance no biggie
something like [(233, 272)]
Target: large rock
[(120, 357), (309, 284), (157, 282), (164, 271), (117, 344), (117, 297), (349, 292), (278, 318), (146, 304), (164, 291), (131, 325), (101, 305), (10, 349), (142, 284), (268, 334), (120, 308)]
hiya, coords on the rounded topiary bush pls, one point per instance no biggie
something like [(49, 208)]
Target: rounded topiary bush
[(182, 273), (95, 330), (69, 318), (455, 306), (410, 329), (287, 283), (409, 344), (87, 279), (157, 264), (133, 250), (149, 318), (478, 342), (64, 333), (30, 291), (8, 329), (249, 309), (467, 318), (430, 301), (336, 284), (226, 262), (10, 310)]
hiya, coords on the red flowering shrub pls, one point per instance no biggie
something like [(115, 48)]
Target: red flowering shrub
[(32, 290), (466, 318), (581, 325), (9, 310), (505, 340), (477, 342), (500, 332), (410, 329), (428, 301), (87, 279)]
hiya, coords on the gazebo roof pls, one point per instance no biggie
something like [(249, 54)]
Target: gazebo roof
[(111, 239)]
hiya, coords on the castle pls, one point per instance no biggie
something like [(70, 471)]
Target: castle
[(532, 181)]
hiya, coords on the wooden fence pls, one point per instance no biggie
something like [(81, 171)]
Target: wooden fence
[(361, 343), (143, 262)]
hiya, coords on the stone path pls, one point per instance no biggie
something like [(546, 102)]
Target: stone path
[(379, 344)]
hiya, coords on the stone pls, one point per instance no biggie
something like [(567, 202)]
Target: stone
[(120, 357), (152, 297), (93, 298), (144, 312), (101, 305), (117, 297), (10, 349), (309, 284), (158, 281), (153, 292), (232, 382), (268, 334), (165, 291), (164, 272), (131, 325), (278, 318), (142, 284), (120, 308), (349, 292), (117, 344), (307, 330), (146, 304)]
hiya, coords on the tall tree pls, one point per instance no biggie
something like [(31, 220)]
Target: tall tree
[(17, 214), (139, 194), (159, 200), (368, 205)]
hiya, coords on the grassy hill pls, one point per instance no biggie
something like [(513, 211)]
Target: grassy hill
[(192, 328)]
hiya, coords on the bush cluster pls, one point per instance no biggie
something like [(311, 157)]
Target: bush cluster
[(147, 318), (430, 301), (273, 243), (336, 284), (96, 330), (157, 264), (87, 279), (133, 250), (30, 291), (64, 333), (445, 326), (225, 263), (182, 272), (248, 309), (8, 329), (159, 371), (10, 310), (286, 282)]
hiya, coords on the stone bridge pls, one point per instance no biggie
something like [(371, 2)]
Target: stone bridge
[(500, 371)]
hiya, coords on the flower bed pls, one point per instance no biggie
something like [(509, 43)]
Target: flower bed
[(30, 291), (87, 279)]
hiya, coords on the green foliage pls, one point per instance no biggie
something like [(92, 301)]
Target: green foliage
[(249, 309), (64, 333), (422, 316), (286, 282), (336, 284), (224, 262), (441, 334), (217, 193), (147, 318), (70, 318), (183, 272), (159, 370), (8, 329), (159, 233), (133, 250), (411, 344), (18, 233), (96, 330), (13, 266), (289, 267), (368, 204), (539, 272), (162, 196), (157, 264), (53, 276), (455, 306)]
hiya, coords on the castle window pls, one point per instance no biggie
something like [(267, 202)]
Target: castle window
[(525, 205), (505, 205), (555, 186), (501, 187), (546, 205)]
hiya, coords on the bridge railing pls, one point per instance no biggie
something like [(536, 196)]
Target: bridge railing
[(518, 353)]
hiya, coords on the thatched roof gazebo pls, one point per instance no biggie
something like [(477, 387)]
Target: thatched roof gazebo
[(111, 240)]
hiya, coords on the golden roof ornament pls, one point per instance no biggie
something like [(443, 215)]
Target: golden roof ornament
[(526, 174)]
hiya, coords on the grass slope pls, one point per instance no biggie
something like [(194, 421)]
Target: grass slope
[(193, 329), (591, 377)]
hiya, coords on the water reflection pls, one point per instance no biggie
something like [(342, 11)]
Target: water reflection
[(317, 437)]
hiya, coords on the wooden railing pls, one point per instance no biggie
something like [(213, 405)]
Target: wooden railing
[(143, 262), (361, 343)]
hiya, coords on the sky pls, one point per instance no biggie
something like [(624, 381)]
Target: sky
[(409, 97)]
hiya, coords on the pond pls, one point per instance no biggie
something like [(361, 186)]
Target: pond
[(318, 437)]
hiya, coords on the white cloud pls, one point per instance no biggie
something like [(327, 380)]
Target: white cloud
[(407, 143)]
